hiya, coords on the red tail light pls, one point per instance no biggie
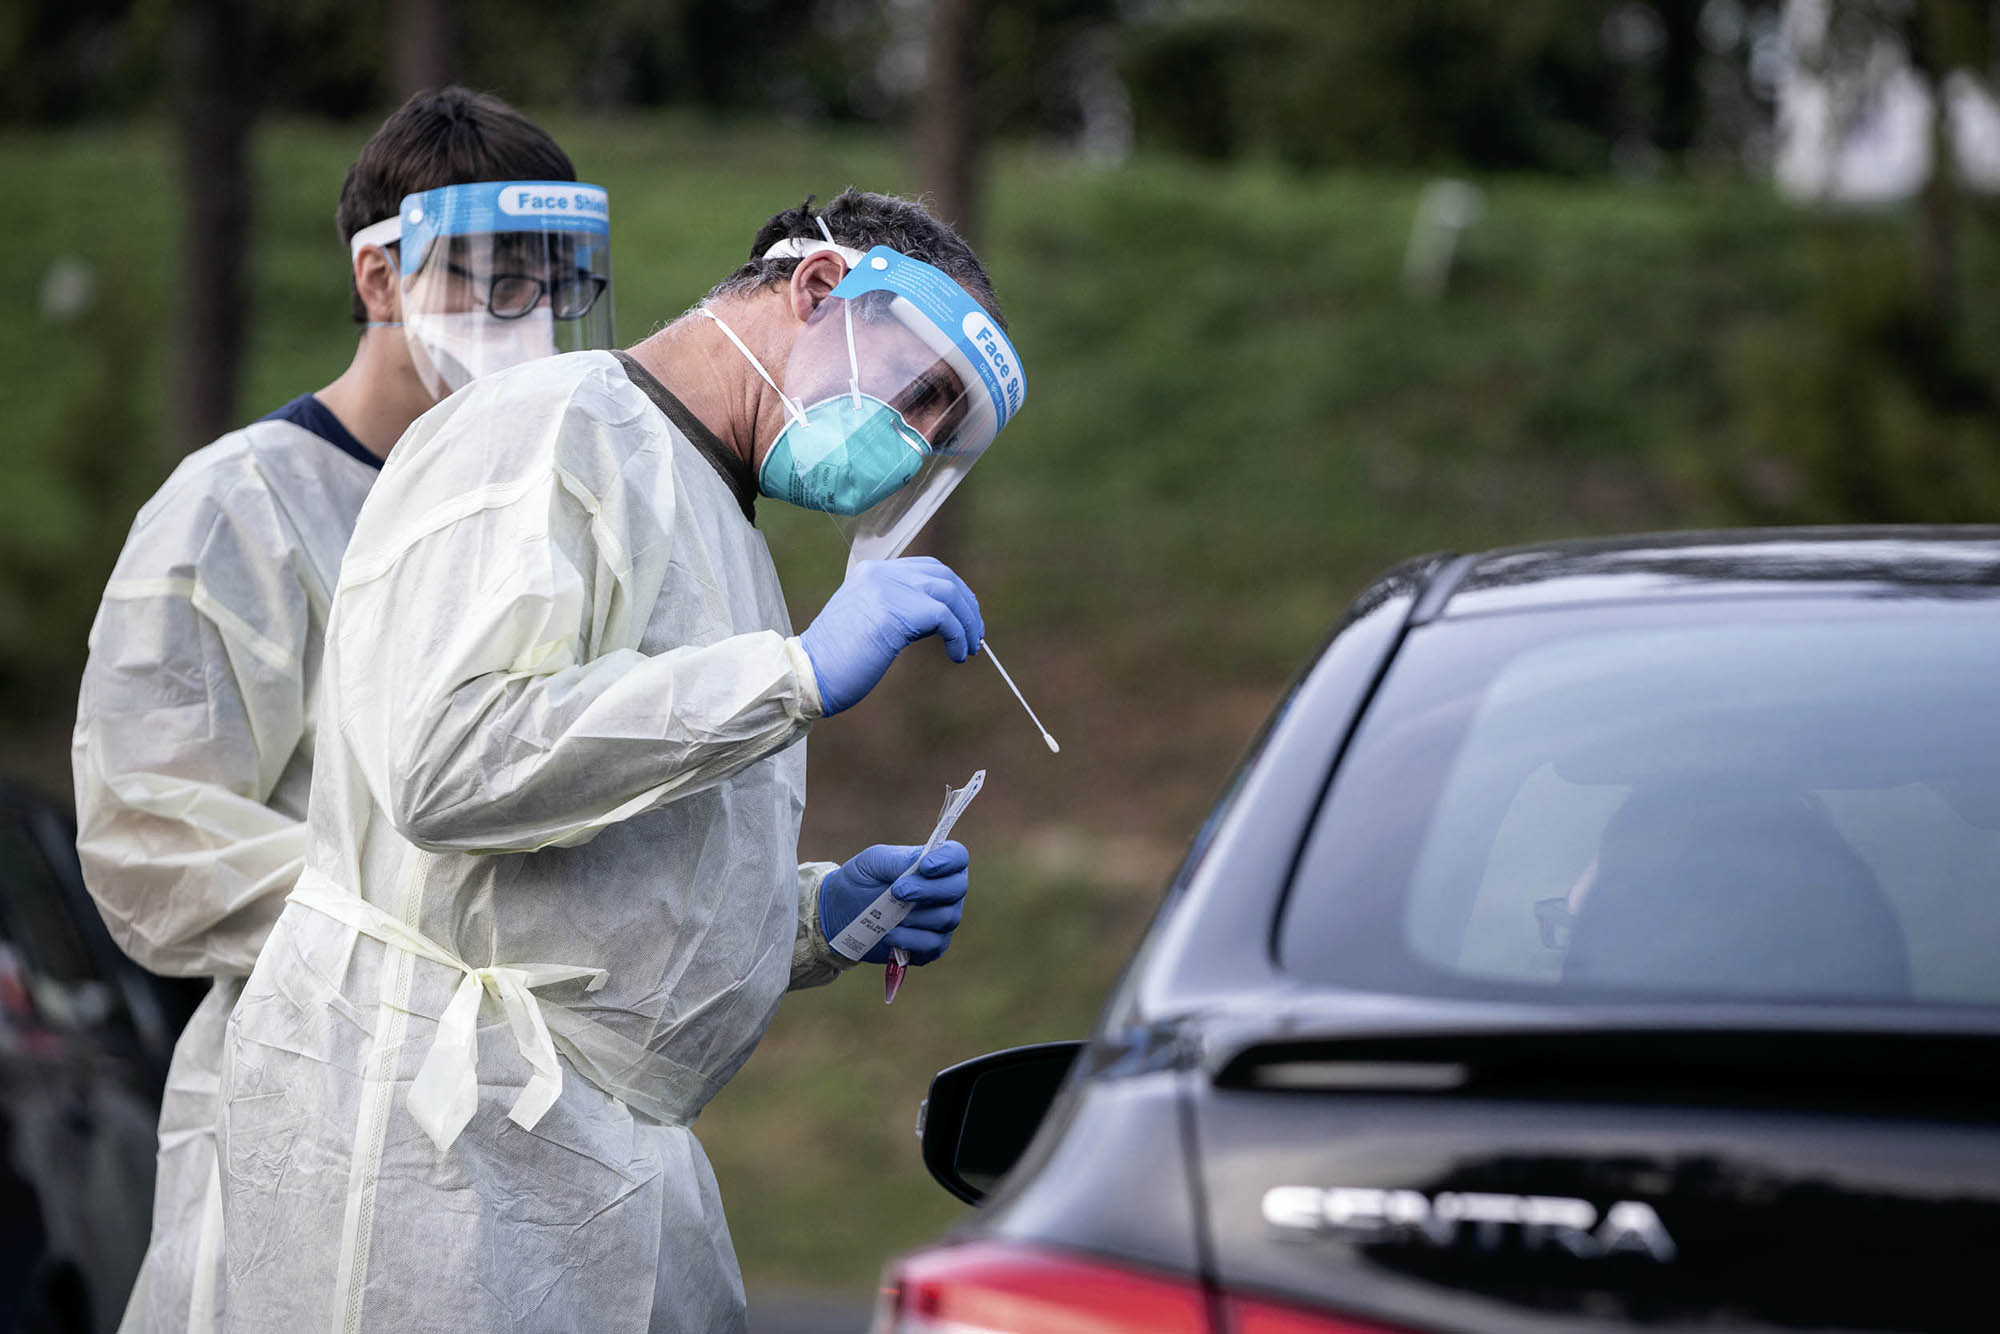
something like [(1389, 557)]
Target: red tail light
[(991, 1287), (1248, 1317)]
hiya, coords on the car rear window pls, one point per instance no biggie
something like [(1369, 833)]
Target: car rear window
[(1761, 799)]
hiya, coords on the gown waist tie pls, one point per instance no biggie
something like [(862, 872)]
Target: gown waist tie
[(445, 1093)]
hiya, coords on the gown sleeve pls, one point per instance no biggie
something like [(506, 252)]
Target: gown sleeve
[(814, 961), (491, 684), (191, 708)]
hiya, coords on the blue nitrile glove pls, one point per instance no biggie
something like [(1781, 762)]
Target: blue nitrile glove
[(885, 606), (935, 888)]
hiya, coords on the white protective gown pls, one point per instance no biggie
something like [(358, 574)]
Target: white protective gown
[(552, 898), (191, 759)]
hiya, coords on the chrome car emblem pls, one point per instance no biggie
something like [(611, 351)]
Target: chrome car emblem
[(1365, 1214)]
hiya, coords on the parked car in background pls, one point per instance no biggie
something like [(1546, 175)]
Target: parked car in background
[(85, 1036), (1602, 936)]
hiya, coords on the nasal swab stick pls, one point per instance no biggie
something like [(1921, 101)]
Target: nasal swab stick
[(986, 648)]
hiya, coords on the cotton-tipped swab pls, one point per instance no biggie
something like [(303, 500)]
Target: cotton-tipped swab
[(986, 650)]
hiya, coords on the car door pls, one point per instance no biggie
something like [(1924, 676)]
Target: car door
[(84, 1038)]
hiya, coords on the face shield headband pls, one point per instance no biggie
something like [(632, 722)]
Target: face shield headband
[(496, 273)]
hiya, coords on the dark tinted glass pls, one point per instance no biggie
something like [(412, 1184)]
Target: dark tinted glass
[(1002, 1113), (34, 920), (1795, 801)]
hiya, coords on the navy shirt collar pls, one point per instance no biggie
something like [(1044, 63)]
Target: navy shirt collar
[(308, 413)]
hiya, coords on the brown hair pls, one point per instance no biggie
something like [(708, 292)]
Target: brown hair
[(449, 136)]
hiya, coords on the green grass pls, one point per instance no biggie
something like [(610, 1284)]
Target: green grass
[(1235, 417), (814, 1142)]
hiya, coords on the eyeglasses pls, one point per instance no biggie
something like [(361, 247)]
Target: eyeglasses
[(509, 296)]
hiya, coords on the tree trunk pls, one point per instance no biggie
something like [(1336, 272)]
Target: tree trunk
[(948, 130), (423, 46), (1937, 255), (949, 145), (215, 108), (1929, 43), (1680, 111)]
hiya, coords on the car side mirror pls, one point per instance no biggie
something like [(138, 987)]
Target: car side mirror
[(980, 1114)]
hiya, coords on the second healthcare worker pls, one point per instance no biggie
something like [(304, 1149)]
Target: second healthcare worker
[(553, 896), (196, 729)]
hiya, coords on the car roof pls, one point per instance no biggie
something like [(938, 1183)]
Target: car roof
[(1924, 562)]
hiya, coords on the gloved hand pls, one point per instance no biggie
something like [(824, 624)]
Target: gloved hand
[(885, 606), (936, 888)]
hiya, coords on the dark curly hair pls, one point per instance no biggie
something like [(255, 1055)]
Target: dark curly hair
[(861, 219)]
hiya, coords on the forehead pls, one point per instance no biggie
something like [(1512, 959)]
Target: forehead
[(897, 348), (889, 339), (490, 249)]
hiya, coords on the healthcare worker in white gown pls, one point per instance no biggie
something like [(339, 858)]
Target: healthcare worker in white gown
[(553, 895), (195, 726)]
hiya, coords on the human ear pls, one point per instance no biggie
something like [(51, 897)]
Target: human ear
[(375, 279), (816, 276)]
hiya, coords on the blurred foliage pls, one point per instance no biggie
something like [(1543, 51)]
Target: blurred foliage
[(1542, 84), (1869, 408), (1238, 391), (99, 59), (68, 60), (810, 59), (86, 271), (53, 551), (1939, 34)]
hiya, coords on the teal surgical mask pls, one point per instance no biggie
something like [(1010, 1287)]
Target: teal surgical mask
[(844, 454)]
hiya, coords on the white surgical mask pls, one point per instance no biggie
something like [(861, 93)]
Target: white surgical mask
[(453, 349)]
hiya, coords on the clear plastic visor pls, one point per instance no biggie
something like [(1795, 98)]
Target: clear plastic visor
[(483, 301), (879, 345), (511, 275), (495, 273)]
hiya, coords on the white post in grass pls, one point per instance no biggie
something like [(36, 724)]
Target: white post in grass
[(1445, 210)]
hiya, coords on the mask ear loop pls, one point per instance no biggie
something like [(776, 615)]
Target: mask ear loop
[(853, 362), (798, 413), (847, 310)]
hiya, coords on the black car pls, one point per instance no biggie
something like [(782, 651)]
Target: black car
[(1602, 935), (85, 1037)]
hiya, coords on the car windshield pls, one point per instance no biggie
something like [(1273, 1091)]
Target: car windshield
[(1760, 799)]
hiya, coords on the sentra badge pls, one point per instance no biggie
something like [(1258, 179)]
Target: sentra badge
[(1366, 1214)]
